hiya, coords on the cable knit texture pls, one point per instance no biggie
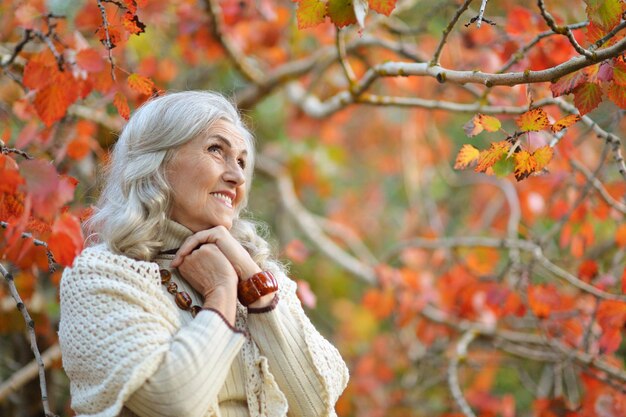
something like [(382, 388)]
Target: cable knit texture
[(118, 327)]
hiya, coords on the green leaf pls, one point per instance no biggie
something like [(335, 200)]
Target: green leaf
[(383, 6), (310, 13), (341, 12), (604, 13), (587, 96), (503, 167)]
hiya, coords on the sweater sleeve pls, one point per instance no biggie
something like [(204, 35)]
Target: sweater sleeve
[(193, 370), (118, 335), (308, 368)]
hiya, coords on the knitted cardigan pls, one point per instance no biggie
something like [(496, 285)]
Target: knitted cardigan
[(117, 326)]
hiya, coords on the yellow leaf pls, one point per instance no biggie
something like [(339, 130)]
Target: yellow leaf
[(466, 156), (565, 122), (525, 164), (492, 155), (533, 120), (481, 122), (542, 157)]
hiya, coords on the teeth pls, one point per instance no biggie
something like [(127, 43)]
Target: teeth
[(226, 199)]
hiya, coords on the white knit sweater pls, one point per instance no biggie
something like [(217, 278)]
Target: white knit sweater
[(126, 346)]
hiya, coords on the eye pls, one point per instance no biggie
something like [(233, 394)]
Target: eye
[(214, 148), (242, 163)]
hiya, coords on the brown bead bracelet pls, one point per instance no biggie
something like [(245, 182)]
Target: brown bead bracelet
[(255, 287)]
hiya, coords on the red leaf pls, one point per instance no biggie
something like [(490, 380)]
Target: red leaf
[(90, 60), (624, 281), (620, 236), (140, 84), (567, 83), (49, 191), (10, 175), (66, 240), (588, 270), (542, 299), (587, 97), (79, 147), (611, 317), (133, 24), (120, 103)]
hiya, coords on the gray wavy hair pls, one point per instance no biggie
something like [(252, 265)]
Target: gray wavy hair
[(135, 201)]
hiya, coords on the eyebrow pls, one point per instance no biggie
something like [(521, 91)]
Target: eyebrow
[(227, 143)]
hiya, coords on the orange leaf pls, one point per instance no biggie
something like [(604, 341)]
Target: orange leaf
[(533, 120), (10, 175), (53, 100), (382, 6), (525, 164), (133, 24), (79, 147), (481, 122), (66, 240), (120, 103), (619, 72), (488, 158), (624, 281), (617, 94), (466, 156), (542, 299), (542, 157), (567, 121), (379, 302), (140, 84), (90, 60), (611, 317), (587, 96), (620, 236)]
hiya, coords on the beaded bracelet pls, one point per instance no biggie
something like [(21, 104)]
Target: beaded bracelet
[(255, 287)]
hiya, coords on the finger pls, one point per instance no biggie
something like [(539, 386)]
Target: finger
[(191, 243)]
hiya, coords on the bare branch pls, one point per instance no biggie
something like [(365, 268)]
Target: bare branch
[(481, 12), (460, 354), (597, 184), (562, 30), (28, 36), (28, 372), (447, 30), (36, 242), (107, 42), (30, 326)]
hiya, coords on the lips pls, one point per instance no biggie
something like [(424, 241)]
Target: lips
[(225, 197)]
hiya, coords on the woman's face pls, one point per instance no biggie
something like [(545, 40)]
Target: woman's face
[(207, 178)]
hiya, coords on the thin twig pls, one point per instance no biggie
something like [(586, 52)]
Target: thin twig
[(460, 354), (28, 372), (30, 326), (107, 42), (447, 30), (36, 242), (28, 36), (343, 58), (481, 12), (562, 30), (597, 184)]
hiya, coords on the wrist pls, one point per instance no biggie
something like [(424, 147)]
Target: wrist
[(248, 270)]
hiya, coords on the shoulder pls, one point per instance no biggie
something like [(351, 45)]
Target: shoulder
[(100, 262)]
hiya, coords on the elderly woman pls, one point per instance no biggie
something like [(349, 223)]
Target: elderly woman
[(178, 309)]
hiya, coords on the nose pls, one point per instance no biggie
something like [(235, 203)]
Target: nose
[(234, 174)]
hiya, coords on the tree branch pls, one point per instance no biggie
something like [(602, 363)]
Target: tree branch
[(460, 354), (562, 30), (447, 30), (30, 326)]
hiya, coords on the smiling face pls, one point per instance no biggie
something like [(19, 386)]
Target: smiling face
[(207, 179)]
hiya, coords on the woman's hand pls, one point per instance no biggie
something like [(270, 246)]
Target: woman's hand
[(220, 236), (211, 274)]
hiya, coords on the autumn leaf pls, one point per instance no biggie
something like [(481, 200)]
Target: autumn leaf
[(566, 121), (379, 302), (587, 97), (382, 6), (620, 236), (10, 175), (467, 155), (66, 240), (120, 103), (341, 12), (533, 120), (525, 164), (611, 317), (588, 270), (567, 83), (604, 13), (481, 122), (49, 191), (619, 72), (90, 60), (617, 94), (542, 299), (496, 151), (542, 157), (79, 147), (133, 25), (297, 251), (503, 167), (140, 84), (310, 13), (52, 101)]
